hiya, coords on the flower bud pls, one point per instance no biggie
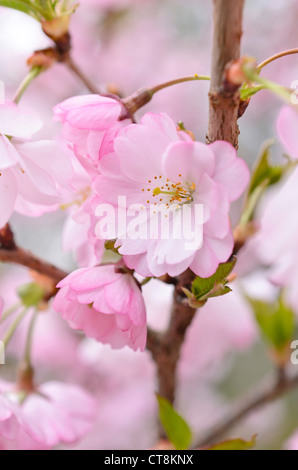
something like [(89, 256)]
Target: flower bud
[(235, 73)]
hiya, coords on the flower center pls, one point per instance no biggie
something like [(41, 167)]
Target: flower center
[(81, 197), (173, 195)]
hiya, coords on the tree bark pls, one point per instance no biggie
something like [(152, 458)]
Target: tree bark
[(224, 103)]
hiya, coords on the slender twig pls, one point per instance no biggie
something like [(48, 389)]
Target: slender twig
[(78, 72), (177, 81), (275, 57), (264, 396), (28, 345), (12, 328), (143, 96), (9, 312)]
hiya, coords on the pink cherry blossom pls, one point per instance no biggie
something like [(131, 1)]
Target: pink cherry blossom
[(79, 228), (287, 125), (31, 172), (155, 165), (45, 418), (90, 124), (106, 304), (79, 234)]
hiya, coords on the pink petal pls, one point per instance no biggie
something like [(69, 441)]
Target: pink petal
[(231, 172), (18, 123), (8, 194), (287, 125), (188, 159)]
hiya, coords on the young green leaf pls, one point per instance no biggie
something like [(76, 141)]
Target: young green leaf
[(203, 288), (177, 430), (276, 322), (264, 174), (24, 6), (41, 10), (235, 444), (247, 92), (264, 171)]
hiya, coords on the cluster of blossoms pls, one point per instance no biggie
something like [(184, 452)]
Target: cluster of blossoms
[(107, 160), (139, 172), (161, 202)]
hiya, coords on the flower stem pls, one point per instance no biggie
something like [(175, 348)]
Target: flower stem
[(253, 76), (10, 311), (78, 72), (11, 330), (177, 81), (32, 74), (143, 96), (275, 57), (28, 346)]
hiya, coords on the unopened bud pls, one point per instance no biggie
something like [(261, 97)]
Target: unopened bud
[(236, 72)]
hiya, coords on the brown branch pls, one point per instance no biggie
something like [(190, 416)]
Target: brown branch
[(166, 348), (26, 258), (224, 103), (267, 394)]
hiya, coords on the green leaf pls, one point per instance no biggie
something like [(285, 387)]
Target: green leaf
[(24, 6), (235, 444), (178, 431), (41, 9), (31, 294), (264, 174), (264, 171), (276, 322), (215, 285), (247, 92)]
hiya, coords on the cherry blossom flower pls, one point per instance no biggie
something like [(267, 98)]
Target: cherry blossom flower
[(46, 417), (79, 229), (31, 172), (106, 304), (156, 166), (90, 124)]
